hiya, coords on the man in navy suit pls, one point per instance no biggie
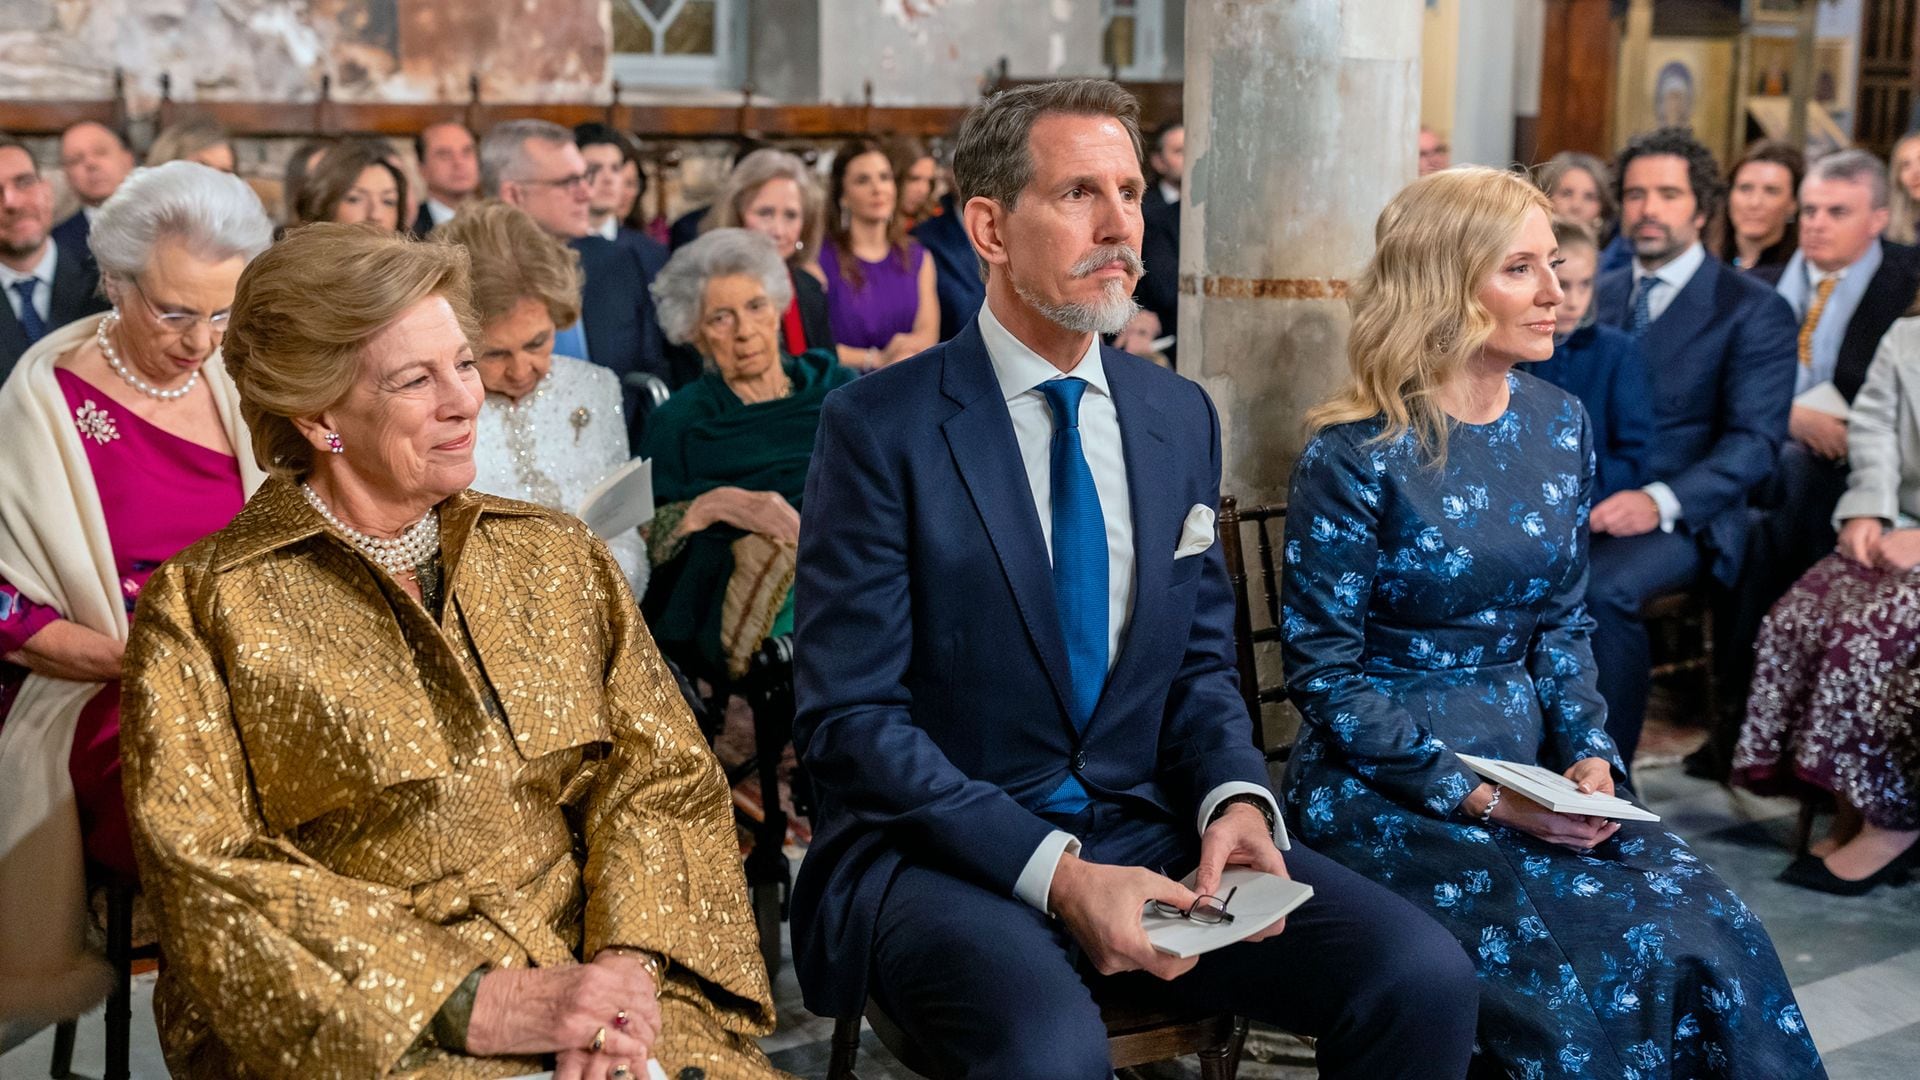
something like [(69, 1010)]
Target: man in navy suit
[(95, 159), (1015, 679), (47, 284), (535, 165), (450, 165), (1159, 289), (1719, 351)]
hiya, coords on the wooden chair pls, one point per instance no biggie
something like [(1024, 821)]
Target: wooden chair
[(1692, 610), (1137, 1034), (121, 954), (1232, 523)]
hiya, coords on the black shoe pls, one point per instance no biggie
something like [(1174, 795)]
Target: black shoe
[(1810, 872), (1706, 763)]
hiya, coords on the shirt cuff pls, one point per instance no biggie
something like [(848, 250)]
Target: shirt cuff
[(1667, 501), (1241, 787), (1036, 880)]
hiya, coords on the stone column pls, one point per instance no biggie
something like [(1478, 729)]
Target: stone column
[(1302, 121)]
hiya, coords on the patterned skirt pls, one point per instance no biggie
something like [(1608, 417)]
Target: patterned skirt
[(1836, 695)]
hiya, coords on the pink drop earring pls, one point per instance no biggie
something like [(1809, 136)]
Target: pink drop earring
[(333, 443)]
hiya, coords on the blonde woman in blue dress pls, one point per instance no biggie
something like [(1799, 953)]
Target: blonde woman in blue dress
[(1436, 564)]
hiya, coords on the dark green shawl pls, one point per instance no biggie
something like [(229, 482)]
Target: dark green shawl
[(704, 438)]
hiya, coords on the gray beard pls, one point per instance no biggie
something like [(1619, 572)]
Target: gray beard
[(1108, 315)]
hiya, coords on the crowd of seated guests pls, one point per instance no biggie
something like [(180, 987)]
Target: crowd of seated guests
[(1771, 470), (1743, 345)]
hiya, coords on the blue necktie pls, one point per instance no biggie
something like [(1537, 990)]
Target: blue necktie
[(30, 320), (1079, 570), (1642, 305), (572, 341)]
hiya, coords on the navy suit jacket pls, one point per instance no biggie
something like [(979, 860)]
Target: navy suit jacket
[(623, 332), (73, 235), (76, 294), (1159, 289), (1721, 360), (930, 667), (956, 269), (1601, 366)]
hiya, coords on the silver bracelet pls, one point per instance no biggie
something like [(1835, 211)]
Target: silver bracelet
[(1486, 816)]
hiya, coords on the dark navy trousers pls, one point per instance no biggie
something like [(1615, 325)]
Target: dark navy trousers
[(993, 988)]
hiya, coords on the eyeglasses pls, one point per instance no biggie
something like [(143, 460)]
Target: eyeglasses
[(181, 323), (1208, 910), (565, 183)]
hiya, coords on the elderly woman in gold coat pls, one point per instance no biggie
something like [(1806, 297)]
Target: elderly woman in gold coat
[(409, 783)]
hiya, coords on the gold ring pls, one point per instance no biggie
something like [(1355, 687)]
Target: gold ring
[(599, 1040)]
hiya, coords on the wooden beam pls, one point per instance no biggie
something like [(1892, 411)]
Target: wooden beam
[(325, 117)]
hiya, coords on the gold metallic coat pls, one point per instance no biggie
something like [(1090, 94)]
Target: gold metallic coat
[(342, 807)]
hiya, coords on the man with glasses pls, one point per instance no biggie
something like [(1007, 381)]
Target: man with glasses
[(535, 165), (47, 286)]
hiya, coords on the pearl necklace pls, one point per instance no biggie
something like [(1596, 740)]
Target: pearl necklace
[(135, 381), (400, 556)]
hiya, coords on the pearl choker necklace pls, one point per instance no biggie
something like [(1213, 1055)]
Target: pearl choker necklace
[(135, 381), (400, 556)]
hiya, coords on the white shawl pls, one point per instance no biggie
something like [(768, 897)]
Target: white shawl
[(54, 549)]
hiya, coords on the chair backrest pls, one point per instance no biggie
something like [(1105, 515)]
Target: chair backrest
[(1265, 521)]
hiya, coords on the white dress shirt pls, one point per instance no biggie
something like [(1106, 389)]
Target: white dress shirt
[(42, 275), (438, 212), (608, 229), (1669, 280), (1020, 371), (1169, 193)]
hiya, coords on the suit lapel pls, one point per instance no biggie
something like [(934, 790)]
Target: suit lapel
[(1157, 517), (72, 288), (1687, 317), (987, 456)]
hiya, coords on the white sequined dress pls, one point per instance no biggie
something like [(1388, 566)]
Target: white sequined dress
[(553, 445)]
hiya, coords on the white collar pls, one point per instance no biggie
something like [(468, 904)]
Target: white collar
[(1019, 369), (1169, 193), (42, 270), (609, 228), (438, 212), (1678, 272)]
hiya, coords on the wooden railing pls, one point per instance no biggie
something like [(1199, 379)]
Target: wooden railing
[(324, 116)]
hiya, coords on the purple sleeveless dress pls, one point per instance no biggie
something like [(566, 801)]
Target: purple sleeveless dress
[(883, 305)]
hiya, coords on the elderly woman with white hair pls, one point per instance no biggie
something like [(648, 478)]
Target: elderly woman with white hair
[(730, 453), (125, 444)]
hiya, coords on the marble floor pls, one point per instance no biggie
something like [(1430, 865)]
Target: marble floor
[(1855, 963)]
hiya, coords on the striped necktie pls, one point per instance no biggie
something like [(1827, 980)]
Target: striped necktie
[(1643, 305), (1822, 293), (30, 319)]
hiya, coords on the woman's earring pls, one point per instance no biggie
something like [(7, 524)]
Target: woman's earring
[(334, 446)]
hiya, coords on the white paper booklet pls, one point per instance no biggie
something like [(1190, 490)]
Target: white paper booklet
[(1259, 900), (1825, 398), (622, 501), (1555, 792)]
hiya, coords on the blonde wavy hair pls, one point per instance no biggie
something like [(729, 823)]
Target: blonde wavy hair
[(1417, 320), (514, 259)]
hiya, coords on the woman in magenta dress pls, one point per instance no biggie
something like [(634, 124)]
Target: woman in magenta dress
[(881, 296), (124, 446)]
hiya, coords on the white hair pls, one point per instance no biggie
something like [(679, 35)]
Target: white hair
[(215, 215), (680, 289)]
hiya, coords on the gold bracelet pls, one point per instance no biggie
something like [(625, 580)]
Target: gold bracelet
[(654, 963)]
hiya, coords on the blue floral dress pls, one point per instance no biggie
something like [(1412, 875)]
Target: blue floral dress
[(1437, 610)]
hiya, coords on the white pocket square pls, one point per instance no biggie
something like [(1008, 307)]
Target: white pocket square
[(1196, 533)]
